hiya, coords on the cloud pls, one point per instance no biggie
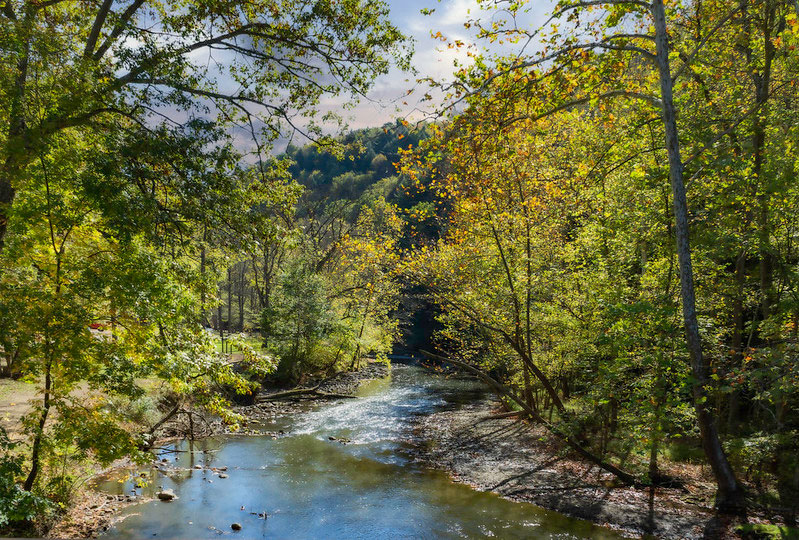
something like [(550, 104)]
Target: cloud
[(458, 12)]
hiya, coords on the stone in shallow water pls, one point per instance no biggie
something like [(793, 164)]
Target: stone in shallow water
[(235, 526), (166, 495)]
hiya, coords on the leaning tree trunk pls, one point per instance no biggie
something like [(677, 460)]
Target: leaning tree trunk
[(37, 439), (729, 495)]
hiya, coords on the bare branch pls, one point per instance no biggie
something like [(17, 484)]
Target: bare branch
[(127, 15)]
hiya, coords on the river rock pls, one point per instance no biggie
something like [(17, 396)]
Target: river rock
[(166, 495), (235, 526), (223, 475)]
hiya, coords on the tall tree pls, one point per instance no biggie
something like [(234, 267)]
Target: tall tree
[(111, 65), (589, 54)]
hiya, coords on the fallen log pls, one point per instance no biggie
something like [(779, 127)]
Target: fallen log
[(501, 416), (314, 391), (624, 476)]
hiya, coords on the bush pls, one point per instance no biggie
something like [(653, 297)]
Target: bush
[(16, 504), (299, 319)]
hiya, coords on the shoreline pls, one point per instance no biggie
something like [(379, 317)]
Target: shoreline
[(520, 462), (506, 456), (92, 512)]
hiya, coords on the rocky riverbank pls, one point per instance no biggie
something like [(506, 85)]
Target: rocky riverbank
[(264, 409), (93, 512), (344, 383), (522, 462)]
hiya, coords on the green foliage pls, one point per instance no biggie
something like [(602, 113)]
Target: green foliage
[(299, 319), (16, 505), (766, 531), (557, 270)]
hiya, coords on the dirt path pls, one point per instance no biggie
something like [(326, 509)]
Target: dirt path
[(517, 460), (15, 402)]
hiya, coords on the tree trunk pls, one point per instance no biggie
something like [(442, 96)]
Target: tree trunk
[(229, 301), (7, 194), (37, 439), (356, 357), (528, 388), (203, 299), (734, 400), (625, 477), (241, 293), (15, 140), (762, 83), (729, 496)]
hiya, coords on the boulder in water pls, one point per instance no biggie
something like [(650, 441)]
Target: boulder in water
[(235, 526)]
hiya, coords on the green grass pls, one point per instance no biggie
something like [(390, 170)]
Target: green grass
[(253, 342), (762, 531)]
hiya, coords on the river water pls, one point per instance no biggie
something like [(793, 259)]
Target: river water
[(310, 486)]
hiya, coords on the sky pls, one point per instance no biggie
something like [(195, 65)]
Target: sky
[(431, 59), (389, 99)]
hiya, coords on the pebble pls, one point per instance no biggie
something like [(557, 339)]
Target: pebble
[(235, 526)]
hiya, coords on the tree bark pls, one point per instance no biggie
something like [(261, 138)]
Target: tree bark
[(734, 400), (37, 439), (304, 392), (762, 82), (729, 496), (229, 301)]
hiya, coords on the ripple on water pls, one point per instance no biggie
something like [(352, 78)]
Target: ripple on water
[(312, 487), (383, 417)]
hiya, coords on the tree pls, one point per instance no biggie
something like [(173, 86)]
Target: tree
[(609, 51), (111, 67), (102, 262)]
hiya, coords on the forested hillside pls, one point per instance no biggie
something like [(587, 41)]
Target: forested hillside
[(323, 288)]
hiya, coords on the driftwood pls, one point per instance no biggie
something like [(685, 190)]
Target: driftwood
[(501, 416), (149, 437), (314, 391)]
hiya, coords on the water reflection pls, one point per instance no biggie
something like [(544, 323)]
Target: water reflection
[(312, 487)]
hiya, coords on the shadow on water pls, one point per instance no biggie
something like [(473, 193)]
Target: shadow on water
[(310, 486)]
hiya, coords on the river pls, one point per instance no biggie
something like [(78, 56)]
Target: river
[(363, 484)]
